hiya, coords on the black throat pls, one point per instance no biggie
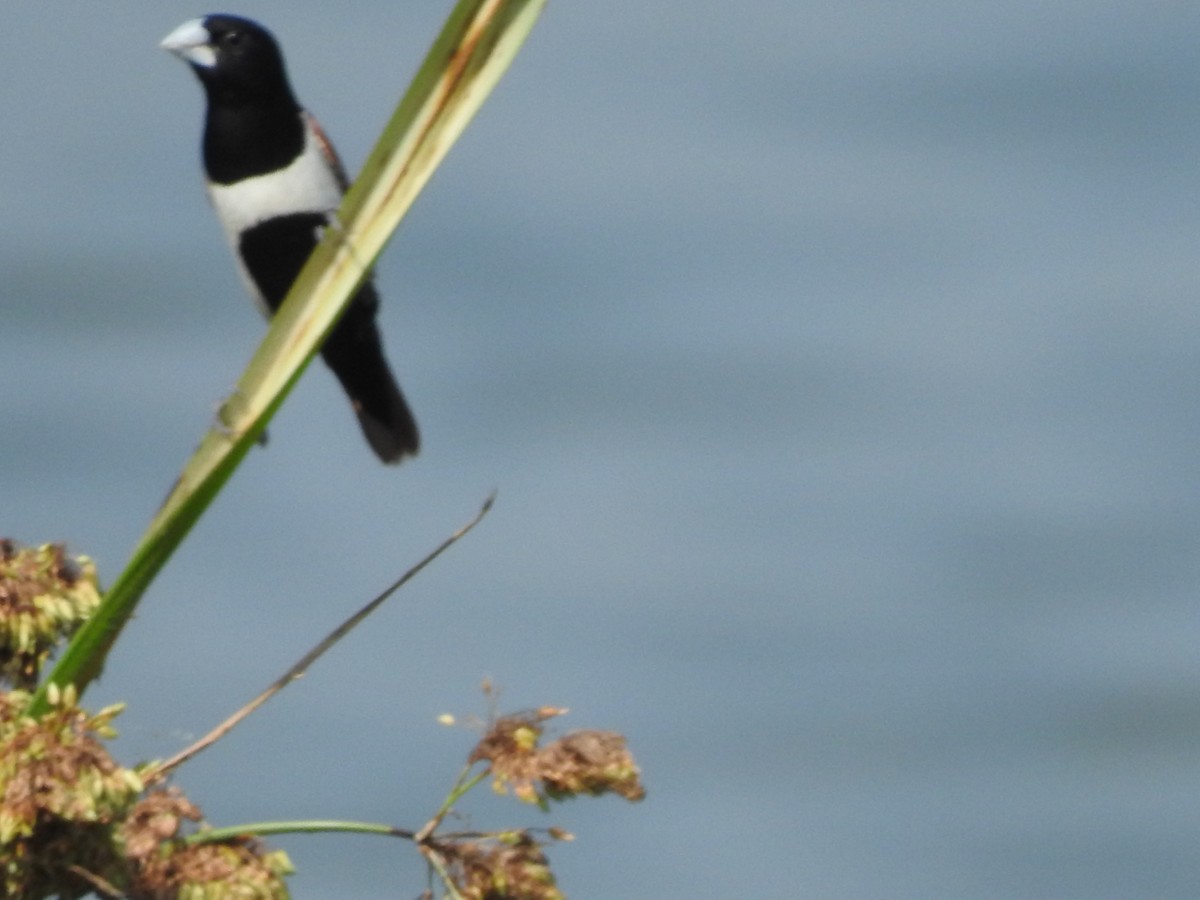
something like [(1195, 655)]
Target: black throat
[(250, 133)]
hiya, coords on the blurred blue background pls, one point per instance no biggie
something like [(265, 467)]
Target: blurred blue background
[(836, 365)]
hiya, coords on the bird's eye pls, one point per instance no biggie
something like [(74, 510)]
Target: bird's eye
[(232, 38)]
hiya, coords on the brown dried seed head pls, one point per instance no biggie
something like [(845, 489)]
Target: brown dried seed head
[(60, 795), (511, 869), (590, 762), (44, 596)]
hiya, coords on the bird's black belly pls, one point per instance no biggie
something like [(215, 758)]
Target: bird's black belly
[(275, 251)]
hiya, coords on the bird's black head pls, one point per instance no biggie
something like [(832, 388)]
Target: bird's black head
[(253, 123), (237, 60)]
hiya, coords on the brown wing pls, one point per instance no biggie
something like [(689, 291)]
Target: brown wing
[(326, 147)]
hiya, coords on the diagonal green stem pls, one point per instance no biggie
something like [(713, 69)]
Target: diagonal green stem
[(474, 49), (462, 785)]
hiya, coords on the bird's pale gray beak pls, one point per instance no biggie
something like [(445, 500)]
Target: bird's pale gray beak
[(191, 42)]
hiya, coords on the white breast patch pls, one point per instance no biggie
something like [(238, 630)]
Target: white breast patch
[(307, 185)]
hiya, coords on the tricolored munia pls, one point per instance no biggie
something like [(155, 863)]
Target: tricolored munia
[(275, 182)]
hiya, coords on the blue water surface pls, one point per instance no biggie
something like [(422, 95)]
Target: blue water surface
[(836, 368)]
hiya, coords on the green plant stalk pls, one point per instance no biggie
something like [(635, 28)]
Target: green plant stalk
[(435, 860), (302, 826), (461, 788), (478, 42), (462, 785)]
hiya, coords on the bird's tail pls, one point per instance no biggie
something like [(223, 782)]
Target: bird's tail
[(386, 421), (354, 351)]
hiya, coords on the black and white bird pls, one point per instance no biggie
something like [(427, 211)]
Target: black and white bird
[(275, 182)]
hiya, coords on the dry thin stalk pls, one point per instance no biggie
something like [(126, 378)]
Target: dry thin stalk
[(297, 671)]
